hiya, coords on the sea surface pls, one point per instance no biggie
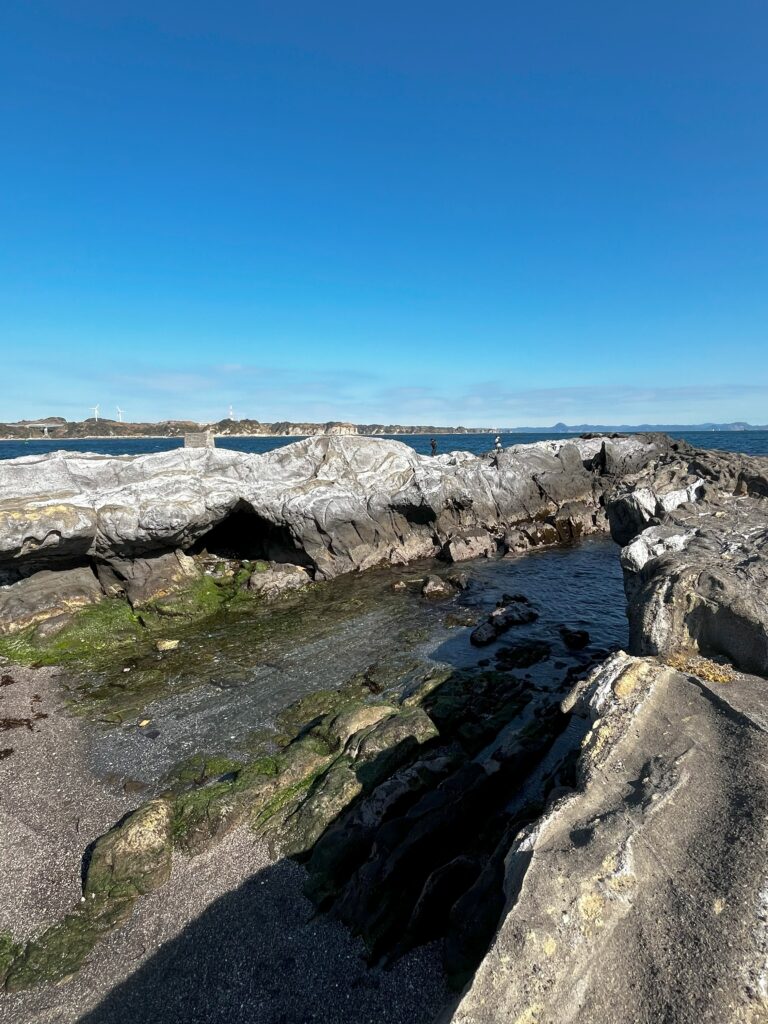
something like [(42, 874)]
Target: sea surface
[(752, 442)]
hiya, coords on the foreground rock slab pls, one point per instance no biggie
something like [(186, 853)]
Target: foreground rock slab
[(641, 896)]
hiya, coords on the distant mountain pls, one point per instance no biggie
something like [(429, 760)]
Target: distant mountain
[(598, 428)]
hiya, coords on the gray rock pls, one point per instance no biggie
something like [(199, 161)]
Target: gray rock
[(50, 596), (370, 493), (277, 580), (641, 896), (436, 589), (697, 578), (470, 544), (143, 580)]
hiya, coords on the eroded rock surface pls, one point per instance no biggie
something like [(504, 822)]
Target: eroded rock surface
[(328, 505), (641, 896), (696, 557)]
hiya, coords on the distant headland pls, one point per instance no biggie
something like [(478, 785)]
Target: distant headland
[(59, 428)]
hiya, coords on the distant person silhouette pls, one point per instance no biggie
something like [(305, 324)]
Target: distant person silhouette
[(433, 446)]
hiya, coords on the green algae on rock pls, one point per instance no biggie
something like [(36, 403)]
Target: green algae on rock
[(9, 951), (135, 857)]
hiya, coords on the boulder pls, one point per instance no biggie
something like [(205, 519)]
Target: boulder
[(469, 544), (382, 748), (48, 597), (437, 589), (574, 639), (356, 719), (276, 579), (523, 655), (326, 800), (135, 857), (144, 580), (500, 620)]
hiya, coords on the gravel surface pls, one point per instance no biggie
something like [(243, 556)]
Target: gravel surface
[(51, 804), (231, 938)]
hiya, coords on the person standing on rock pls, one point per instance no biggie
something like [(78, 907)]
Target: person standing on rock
[(433, 446)]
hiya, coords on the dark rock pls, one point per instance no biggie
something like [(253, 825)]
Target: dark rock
[(442, 889), (460, 580), (500, 620), (575, 639), (524, 654)]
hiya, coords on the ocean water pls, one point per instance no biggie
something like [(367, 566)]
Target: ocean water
[(752, 442)]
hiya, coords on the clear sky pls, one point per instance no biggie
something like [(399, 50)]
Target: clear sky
[(478, 213)]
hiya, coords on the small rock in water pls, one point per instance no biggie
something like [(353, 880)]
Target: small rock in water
[(500, 620), (460, 580), (436, 589), (575, 639), (523, 655), (167, 645), (399, 586), (460, 619)]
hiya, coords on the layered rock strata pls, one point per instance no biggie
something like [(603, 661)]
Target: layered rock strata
[(329, 505)]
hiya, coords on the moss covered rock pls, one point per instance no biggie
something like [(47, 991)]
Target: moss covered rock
[(135, 857), (9, 951), (61, 949), (325, 800), (354, 719)]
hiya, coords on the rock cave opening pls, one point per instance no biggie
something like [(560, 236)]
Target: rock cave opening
[(246, 535)]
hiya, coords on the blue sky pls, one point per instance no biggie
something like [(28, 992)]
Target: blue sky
[(487, 213)]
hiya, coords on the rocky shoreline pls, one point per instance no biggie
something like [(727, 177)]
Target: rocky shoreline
[(57, 428), (577, 819)]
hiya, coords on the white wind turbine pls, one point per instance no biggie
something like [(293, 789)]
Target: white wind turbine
[(95, 411), (120, 414)]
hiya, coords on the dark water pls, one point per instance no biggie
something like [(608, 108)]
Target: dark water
[(318, 640), (752, 442)]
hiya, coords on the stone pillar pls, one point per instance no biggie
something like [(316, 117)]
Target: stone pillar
[(199, 439)]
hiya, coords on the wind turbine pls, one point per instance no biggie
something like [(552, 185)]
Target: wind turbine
[(95, 410), (120, 414)]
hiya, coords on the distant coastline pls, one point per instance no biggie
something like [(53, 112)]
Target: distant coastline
[(56, 428)]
